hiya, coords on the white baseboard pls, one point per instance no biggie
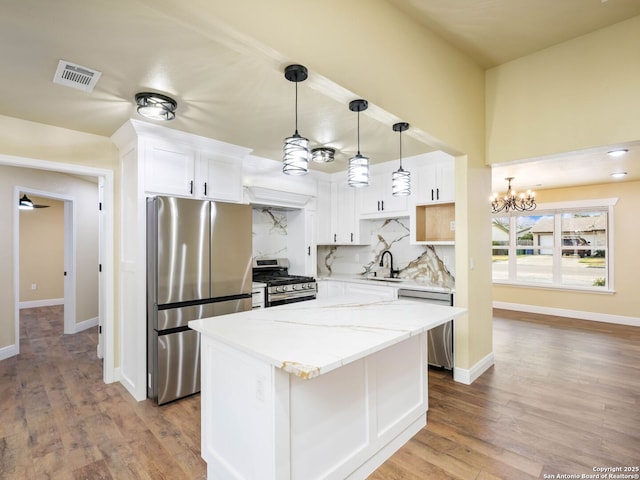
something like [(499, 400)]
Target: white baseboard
[(561, 312), (8, 351), (41, 303), (86, 324), (467, 377)]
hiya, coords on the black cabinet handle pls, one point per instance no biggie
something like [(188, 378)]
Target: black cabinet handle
[(432, 195), (309, 250), (352, 238), (191, 187), (378, 205), (437, 194), (335, 238), (382, 205), (205, 189)]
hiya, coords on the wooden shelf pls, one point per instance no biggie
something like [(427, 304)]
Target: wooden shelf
[(436, 222)]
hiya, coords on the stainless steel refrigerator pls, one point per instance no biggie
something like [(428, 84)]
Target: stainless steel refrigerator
[(199, 265)]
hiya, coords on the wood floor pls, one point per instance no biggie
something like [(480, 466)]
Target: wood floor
[(563, 398)]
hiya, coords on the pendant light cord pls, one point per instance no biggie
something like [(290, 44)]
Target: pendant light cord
[(358, 132), (400, 149), (296, 108)]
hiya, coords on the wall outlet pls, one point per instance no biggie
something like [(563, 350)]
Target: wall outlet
[(452, 225), (34, 286)]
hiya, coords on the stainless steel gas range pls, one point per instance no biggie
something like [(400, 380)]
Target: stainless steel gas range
[(282, 288)]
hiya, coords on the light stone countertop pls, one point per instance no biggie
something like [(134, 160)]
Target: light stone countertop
[(312, 338), (393, 282)]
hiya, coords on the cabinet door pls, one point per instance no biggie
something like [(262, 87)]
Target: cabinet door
[(377, 201), (436, 182), (323, 214), (220, 178), (381, 292), (345, 208), (169, 170)]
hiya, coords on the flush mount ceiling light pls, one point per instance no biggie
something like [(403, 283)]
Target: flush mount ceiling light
[(400, 179), (512, 201), (358, 172), (156, 106), (296, 148), (323, 154), (618, 152), (619, 174)]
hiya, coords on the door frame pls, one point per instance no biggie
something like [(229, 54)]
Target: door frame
[(106, 283)]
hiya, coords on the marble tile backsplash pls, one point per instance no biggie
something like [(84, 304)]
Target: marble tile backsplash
[(269, 233), (424, 263)]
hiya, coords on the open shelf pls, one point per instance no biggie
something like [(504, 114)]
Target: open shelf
[(436, 222)]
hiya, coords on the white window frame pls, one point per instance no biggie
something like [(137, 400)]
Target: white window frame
[(554, 209)]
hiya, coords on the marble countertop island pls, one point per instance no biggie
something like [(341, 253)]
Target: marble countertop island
[(311, 338)]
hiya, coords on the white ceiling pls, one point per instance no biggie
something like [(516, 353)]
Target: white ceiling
[(235, 96)]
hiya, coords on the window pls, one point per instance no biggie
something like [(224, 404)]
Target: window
[(558, 246)]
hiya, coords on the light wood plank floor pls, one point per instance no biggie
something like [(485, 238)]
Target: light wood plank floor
[(563, 398)]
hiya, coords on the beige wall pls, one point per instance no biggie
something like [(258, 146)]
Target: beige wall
[(580, 94), (577, 95), (42, 251), (626, 230), (44, 142)]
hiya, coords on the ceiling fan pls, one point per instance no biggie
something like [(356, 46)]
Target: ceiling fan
[(25, 203)]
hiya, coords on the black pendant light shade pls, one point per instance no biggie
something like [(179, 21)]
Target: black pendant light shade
[(156, 106), (358, 172), (296, 148), (401, 178)]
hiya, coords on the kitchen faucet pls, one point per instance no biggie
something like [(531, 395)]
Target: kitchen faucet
[(392, 272)]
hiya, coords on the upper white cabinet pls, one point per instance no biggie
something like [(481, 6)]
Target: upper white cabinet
[(376, 200), (345, 228), (169, 169), (435, 181), (219, 177), (337, 221), (324, 217)]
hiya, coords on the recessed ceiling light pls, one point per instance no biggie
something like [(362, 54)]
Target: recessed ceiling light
[(617, 152), (618, 174)]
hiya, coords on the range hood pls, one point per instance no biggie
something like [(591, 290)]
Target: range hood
[(268, 197)]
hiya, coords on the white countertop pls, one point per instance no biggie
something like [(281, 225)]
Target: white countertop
[(389, 282), (312, 338)]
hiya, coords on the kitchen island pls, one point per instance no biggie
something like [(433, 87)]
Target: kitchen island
[(317, 389)]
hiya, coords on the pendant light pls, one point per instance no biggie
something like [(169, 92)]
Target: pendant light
[(358, 172), (296, 147), (400, 179)]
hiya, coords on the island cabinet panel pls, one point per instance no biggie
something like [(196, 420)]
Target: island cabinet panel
[(260, 422)]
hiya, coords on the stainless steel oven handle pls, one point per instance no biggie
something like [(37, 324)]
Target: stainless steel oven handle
[(274, 297)]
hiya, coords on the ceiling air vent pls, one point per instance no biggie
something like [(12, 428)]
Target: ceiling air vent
[(76, 76)]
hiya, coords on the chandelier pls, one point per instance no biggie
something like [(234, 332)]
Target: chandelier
[(512, 201)]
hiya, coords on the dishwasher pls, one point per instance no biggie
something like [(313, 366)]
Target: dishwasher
[(440, 339)]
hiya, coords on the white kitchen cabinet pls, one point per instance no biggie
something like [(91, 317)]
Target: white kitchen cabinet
[(169, 169), (301, 242), (328, 288), (219, 178), (180, 171), (382, 292), (324, 218), (435, 181), (345, 228), (376, 200)]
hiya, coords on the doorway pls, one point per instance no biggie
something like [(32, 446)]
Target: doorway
[(105, 186)]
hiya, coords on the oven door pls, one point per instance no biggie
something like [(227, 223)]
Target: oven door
[(275, 299)]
